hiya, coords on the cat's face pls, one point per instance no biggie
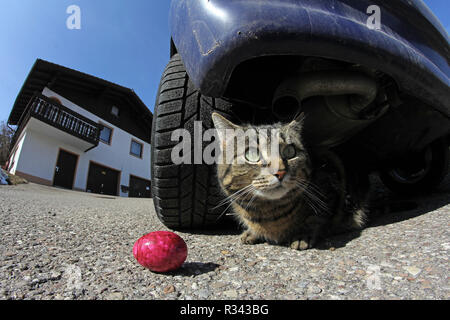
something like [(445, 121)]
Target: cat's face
[(267, 171)]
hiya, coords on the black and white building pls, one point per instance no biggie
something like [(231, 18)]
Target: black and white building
[(80, 132)]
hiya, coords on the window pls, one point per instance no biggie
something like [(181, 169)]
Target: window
[(115, 111), (106, 134), (136, 149)]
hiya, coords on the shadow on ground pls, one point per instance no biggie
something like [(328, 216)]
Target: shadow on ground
[(395, 209), (189, 269)]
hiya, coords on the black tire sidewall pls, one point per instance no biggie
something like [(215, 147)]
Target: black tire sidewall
[(196, 186)]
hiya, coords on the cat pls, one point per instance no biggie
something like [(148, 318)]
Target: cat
[(307, 195)]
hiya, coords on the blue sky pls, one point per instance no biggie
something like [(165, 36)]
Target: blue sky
[(122, 41)]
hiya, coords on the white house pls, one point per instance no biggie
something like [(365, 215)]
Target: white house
[(80, 132)]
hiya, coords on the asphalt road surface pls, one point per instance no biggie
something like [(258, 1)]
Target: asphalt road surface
[(58, 244)]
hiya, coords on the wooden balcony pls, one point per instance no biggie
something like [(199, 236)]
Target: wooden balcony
[(60, 117)]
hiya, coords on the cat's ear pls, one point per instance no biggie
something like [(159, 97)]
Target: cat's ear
[(222, 124), (297, 123)]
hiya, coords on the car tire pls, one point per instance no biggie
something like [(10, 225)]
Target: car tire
[(185, 196), (436, 168)]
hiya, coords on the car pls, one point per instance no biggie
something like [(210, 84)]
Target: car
[(372, 77)]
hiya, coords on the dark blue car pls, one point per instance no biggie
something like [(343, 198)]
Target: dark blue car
[(372, 76)]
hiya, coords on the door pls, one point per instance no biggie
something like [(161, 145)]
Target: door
[(65, 170), (102, 180), (139, 188)]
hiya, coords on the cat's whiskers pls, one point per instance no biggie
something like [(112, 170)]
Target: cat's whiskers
[(234, 197), (232, 201), (313, 196), (231, 197), (316, 201), (311, 188), (309, 201), (250, 202)]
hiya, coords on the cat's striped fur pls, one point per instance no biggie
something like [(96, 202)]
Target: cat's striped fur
[(302, 200)]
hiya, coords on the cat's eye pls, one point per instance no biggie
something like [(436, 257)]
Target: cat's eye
[(289, 152), (252, 155)]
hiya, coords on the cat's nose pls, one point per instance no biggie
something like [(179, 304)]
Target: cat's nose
[(280, 175)]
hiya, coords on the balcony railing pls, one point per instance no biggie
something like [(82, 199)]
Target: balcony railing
[(61, 117)]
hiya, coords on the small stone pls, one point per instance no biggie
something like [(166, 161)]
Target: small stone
[(301, 286), (426, 284), (314, 290), (115, 296), (414, 271), (9, 254), (55, 275), (203, 293), (225, 252), (232, 294), (103, 289), (360, 272), (169, 289), (386, 264), (338, 277), (218, 285)]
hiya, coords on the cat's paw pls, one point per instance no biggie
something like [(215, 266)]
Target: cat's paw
[(302, 243), (249, 238)]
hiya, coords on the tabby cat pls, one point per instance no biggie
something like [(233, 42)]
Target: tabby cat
[(307, 197)]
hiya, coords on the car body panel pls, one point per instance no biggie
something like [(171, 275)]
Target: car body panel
[(214, 36)]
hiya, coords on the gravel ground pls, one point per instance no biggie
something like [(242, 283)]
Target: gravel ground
[(58, 244)]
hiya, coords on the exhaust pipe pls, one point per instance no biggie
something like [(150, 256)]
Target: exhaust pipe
[(341, 104), (360, 89)]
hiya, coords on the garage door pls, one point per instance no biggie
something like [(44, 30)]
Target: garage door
[(139, 188), (103, 180)]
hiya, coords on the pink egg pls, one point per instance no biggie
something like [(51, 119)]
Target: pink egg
[(160, 251)]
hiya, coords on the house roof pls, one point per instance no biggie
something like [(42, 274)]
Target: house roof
[(46, 74)]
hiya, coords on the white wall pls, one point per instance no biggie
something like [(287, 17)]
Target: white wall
[(38, 155), (40, 150), (15, 155)]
